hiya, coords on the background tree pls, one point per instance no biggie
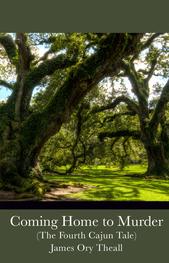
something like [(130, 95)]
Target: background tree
[(78, 141), (147, 100)]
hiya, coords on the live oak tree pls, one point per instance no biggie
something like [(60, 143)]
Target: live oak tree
[(148, 102), (81, 60)]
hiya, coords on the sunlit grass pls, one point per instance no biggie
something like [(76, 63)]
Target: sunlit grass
[(109, 183)]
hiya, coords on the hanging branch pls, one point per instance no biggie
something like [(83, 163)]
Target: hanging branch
[(131, 105), (122, 133), (6, 84)]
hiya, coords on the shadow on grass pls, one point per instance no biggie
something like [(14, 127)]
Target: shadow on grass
[(112, 184)]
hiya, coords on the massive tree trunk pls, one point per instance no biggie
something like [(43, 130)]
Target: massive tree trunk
[(157, 148), (158, 165), (158, 161), (23, 134), (19, 150)]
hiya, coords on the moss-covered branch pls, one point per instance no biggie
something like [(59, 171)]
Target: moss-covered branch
[(130, 72), (160, 108), (139, 86), (131, 105), (151, 70), (146, 44), (6, 84), (122, 133), (150, 41), (24, 53), (117, 115), (46, 68), (9, 45)]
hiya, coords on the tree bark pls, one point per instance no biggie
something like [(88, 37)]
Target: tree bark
[(157, 149), (158, 164)]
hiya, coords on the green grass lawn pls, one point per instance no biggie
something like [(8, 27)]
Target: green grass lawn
[(112, 184)]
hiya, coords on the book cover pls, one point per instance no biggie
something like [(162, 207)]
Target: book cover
[(84, 164)]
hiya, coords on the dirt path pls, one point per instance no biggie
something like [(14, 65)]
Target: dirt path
[(63, 193), (12, 196), (7, 195), (55, 193)]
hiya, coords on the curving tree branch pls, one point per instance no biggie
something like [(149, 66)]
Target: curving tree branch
[(160, 107), (6, 84), (122, 133), (150, 41), (131, 105), (146, 45), (46, 68), (151, 70), (24, 53), (9, 45), (117, 115)]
